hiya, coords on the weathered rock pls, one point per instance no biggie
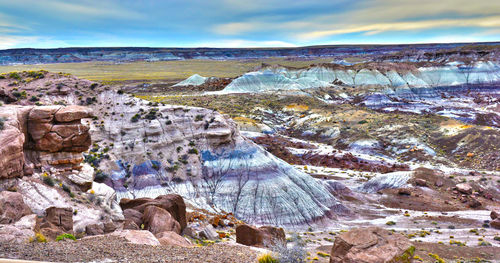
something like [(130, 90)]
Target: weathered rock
[(12, 207), (141, 237), (170, 238), (157, 219), (420, 182), (404, 191), (12, 141), (130, 225), (108, 198), (19, 232), (133, 215), (173, 203), (32, 131), (94, 229), (464, 188), (72, 113), (494, 214), (111, 226), (60, 217), (84, 178), (474, 203), (371, 245), (439, 183), (495, 223), (209, 233), (265, 236)]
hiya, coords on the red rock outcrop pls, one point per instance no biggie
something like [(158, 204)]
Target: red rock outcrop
[(264, 236), (42, 136), (172, 203), (157, 220), (370, 245), (56, 221)]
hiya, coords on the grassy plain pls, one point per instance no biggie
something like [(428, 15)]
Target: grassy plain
[(161, 70)]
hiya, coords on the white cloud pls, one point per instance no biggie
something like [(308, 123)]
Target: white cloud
[(371, 29), (7, 42), (235, 28)]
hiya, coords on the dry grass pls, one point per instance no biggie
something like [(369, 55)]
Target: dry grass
[(161, 70)]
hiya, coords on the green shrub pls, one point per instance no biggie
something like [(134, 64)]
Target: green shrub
[(47, 180), (14, 75), (65, 236), (193, 151), (135, 118)]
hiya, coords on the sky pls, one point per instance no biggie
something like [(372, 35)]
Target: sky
[(247, 23)]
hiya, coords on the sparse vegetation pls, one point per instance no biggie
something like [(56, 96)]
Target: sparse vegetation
[(267, 258), (65, 236), (39, 238)]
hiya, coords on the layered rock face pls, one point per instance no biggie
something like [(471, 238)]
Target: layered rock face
[(398, 78), (199, 154), (45, 136)]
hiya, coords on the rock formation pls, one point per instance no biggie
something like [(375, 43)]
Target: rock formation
[(371, 245), (265, 236), (42, 137)]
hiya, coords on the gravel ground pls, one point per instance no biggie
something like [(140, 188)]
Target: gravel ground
[(116, 249)]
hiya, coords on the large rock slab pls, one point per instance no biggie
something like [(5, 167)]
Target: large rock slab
[(157, 219), (12, 207), (72, 113), (170, 238), (19, 232), (12, 139), (265, 236), (172, 203), (141, 237), (371, 245)]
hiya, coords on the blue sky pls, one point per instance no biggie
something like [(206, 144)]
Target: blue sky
[(249, 23)]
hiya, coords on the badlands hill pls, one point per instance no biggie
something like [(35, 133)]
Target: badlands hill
[(402, 141)]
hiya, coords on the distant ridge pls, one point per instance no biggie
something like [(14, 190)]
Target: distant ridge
[(128, 54)]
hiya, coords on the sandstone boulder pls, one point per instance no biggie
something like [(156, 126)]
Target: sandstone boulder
[(173, 203), (464, 188), (494, 214), (72, 113), (371, 245), (84, 178), (157, 219), (420, 182), (141, 237), (209, 233), (94, 229), (133, 215), (404, 191), (495, 223), (170, 238), (130, 225), (12, 141), (474, 203), (19, 232), (12, 207), (265, 236), (56, 221)]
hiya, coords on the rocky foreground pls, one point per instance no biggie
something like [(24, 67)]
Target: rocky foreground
[(116, 249)]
